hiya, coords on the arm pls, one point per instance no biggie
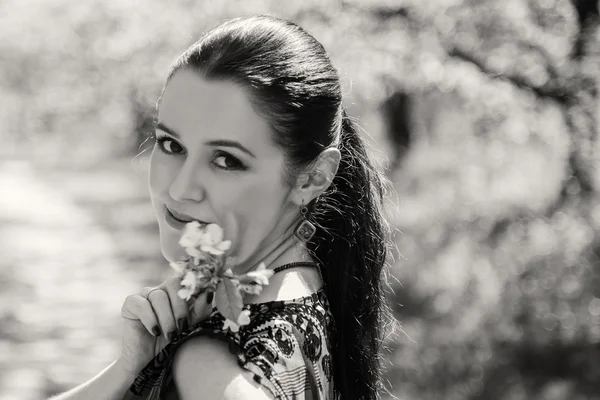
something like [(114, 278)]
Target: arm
[(110, 384), (204, 368)]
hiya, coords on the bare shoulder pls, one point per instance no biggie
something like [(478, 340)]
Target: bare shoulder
[(205, 366)]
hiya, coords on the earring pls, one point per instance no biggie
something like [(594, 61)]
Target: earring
[(305, 229)]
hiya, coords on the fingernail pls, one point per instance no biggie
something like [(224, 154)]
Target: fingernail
[(185, 324), (180, 324), (156, 331), (170, 336), (209, 297)]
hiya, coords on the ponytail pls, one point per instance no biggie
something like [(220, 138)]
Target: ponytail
[(351, 244)]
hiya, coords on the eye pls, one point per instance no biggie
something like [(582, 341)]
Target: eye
[(226, 161), (167, 145)]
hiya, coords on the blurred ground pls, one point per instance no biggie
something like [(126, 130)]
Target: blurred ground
[(67, 265)]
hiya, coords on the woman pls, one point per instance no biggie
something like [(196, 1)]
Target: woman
[(251, 135)]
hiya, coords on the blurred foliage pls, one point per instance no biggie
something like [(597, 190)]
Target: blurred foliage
[(487, 111)]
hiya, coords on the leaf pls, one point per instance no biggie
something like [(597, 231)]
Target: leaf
[(228, 300)]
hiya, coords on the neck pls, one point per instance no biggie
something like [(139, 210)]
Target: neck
[(286, 249)]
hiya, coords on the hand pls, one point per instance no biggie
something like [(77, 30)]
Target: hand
[(152, 317)]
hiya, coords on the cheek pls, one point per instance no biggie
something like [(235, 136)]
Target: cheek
[(256, 209), (260, 203), (159, 175)]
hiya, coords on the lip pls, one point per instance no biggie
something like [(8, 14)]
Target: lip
[(177, 220)]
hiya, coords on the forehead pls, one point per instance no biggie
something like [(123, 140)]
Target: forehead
[(196, 107)]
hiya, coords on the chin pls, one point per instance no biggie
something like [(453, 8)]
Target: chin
[(171, 254), (169, 245)]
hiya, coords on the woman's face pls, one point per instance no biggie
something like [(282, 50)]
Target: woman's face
[(214, 161)]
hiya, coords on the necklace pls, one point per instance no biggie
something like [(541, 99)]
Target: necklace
[(296, 264)]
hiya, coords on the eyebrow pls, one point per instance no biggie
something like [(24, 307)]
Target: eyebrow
[(218, 142)]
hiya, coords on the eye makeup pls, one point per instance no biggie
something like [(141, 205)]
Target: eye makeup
[(228, 161)]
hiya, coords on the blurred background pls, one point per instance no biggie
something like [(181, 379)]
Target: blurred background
[(483, 112)]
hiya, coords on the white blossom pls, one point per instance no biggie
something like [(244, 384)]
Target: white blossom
[(244, 318), (192, 236), (179, 266), (229, 324), (251, 289), (212, 241), (261, 274), (185, 293)]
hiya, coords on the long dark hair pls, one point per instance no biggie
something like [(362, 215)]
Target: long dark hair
[(292, 82)]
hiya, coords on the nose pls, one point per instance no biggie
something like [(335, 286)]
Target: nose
[(186, 186)]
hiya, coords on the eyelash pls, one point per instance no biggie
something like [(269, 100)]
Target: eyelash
[(239, 166)]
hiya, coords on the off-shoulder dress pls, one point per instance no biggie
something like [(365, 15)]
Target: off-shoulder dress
[(286, 346)]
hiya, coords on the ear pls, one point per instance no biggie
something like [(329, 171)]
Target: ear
[(317, 178)]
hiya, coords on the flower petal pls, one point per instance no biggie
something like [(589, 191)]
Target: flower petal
[(261, 276), (229, 324), (191, 235), (225, 245), (244, 318), (192, 226), (215, 232), (193, 252), (185, 294), (204, 239), (189, 281), (186, 241), (178, 266), (211, 250)]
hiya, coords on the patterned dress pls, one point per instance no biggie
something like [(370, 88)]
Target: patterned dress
[(286, 347)]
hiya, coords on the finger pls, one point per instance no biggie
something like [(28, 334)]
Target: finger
[(146, 290), (137, 308), (159, 299), (178, 305), (201, 308)]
